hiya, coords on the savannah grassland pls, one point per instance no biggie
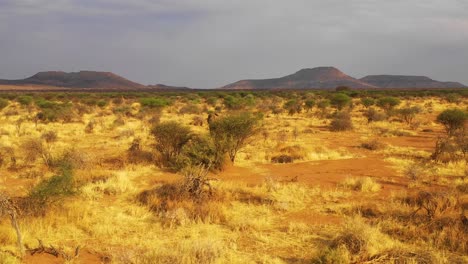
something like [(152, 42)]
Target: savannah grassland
[(90, 183)]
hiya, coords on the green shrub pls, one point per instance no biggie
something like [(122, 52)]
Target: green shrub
[(53, 189), (230, 133), (201, 151), (238, 103), (170, 139), (388, 103), (309, 104), (24, 99), (453, 120), (367, 102), (293, 106), (153, 102), (340, 100), (101, 103)]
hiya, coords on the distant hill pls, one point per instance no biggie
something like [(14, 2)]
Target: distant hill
[(82, 79), (168, 87), (321, 77), (404, 81)]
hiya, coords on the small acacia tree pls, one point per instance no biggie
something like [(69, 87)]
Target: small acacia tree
[(388, 103), (293, 106), (340, 100), (453, 120), (367, 102), (230, 133), (409, 113), (170, 138)]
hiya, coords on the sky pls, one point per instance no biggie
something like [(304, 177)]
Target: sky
[(210, 43)]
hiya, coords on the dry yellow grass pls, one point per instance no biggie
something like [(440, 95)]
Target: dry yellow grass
[(275, 221)]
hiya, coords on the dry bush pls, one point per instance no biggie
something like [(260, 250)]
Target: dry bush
[(415, 171), (90, 127), (447, 150), (135, 155), (437, 218), (114, 163), (7, 155), (373, 144), (357, 242), (197, 121), (49, 136), (289, 154), (34, 149), (190, 109), (373, 115), (341, 122), (434, 204), (192, 199), (119, 121)]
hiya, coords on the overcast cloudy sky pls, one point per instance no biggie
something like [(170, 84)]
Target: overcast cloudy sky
[(209, 43)]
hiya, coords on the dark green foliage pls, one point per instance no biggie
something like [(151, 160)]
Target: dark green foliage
[(388, 103), (201, 151), (452, 98), (54, 188), (230, 133), (54, 111), (341, 122), (340, 100), (323, 104), (154, 102), (238, 102), (309, 104), (24, 99), (367, 101), (342, 88), (101, 103), (453, 120), (170, 139), (293, 106)]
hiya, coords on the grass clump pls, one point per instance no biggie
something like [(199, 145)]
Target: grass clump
[(366, 184)]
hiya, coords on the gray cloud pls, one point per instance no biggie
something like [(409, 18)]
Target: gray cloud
[(208, 43)]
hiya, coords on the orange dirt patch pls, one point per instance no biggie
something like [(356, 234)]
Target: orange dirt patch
[(325, 173)]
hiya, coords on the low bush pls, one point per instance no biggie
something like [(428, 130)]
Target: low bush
[(201, 151), (170, 139), (289, 154), (453, 120), (49, 192), (373, 115), (367, 102), (341, 122), (373, 144), (447, 150), (408, 113), (153, 102)]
